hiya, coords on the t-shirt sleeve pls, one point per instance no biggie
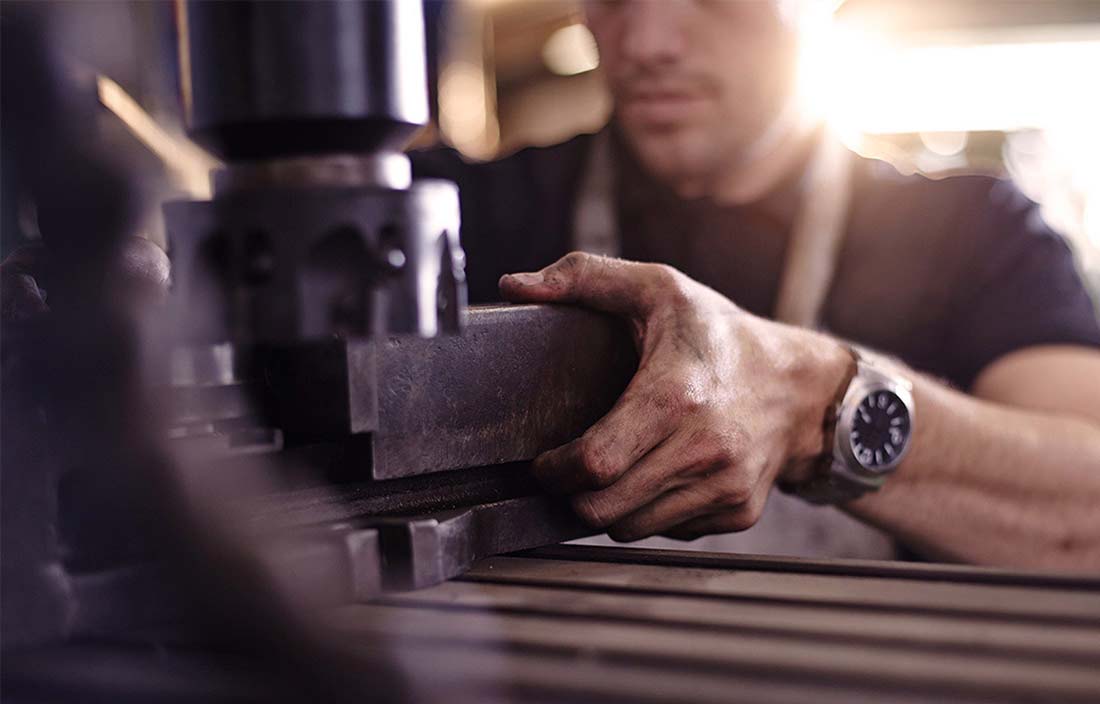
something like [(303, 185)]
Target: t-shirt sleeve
[(1021, 288)]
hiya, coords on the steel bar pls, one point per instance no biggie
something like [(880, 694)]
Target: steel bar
[(519, 381)]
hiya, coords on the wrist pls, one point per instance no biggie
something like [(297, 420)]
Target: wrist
[(831, 366)]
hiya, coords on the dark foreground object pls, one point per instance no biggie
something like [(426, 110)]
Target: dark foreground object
[(574, 623)]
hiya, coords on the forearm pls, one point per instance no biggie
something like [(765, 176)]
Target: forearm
[(991, 484)]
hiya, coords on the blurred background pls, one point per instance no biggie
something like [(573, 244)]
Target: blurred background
[(933, 86)]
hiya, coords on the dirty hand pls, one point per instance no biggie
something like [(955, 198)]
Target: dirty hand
[(140, 273), (723, 403)]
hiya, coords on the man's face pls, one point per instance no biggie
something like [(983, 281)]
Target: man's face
[(695, 82)]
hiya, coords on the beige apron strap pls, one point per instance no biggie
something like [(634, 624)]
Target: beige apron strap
[(817, 236), (595, 224)]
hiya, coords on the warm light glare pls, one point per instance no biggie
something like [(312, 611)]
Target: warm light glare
[(945, 143), (464, 109), (571, 50), (863, 83), (189, 162), (1043, 82)]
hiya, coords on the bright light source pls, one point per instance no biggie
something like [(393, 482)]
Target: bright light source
[(571, 50), (862, 83), (945, 143)]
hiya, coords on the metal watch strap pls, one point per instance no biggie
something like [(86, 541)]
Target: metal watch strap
[(834, 485), (834, 482)]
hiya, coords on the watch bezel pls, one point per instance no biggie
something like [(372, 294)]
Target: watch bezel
[(859, 389)]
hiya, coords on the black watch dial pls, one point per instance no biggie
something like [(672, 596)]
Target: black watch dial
[(880, 429)]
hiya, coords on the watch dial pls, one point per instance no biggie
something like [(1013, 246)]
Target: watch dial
[(880, 429)]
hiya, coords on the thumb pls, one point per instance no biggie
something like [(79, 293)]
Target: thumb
[(602, 283)]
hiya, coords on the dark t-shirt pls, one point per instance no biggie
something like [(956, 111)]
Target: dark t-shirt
[(946, 274)]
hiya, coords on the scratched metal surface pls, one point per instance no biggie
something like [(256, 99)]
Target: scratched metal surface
[(580, 623)]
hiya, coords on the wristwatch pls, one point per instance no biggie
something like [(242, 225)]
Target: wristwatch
[(872, 433)]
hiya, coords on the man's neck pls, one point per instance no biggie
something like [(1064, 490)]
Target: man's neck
[(773, 159)]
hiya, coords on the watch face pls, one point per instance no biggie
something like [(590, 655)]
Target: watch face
[(880, 429)]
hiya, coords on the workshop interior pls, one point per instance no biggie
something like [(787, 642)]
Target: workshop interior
[(300, 469)]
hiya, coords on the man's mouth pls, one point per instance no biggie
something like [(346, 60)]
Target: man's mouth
[(660, 107)]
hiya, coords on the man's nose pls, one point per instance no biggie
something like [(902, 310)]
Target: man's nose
[(653, 31)]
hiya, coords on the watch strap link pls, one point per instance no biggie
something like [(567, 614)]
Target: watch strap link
[(834, 485)]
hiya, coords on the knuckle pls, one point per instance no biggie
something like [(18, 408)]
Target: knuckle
[(572, 264), (691, 400), (664, 274), (597, 463), (567, 272), (747, 517), (666, 398), (673, 285), (592, 510), (719, 448), (678, 391), (574, 260), (730, 451), (735, 492)]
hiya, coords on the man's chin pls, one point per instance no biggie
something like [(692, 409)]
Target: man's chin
[(676, 157)]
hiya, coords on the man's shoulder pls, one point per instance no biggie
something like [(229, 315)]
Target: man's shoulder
[(964, 213), (969, 265), (880, 184)]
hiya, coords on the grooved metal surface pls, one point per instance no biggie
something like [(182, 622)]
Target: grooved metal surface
[(583, 623)]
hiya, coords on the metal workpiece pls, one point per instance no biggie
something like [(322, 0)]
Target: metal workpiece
[(356, 560), (422, 440), (272, 79), (520, 381)]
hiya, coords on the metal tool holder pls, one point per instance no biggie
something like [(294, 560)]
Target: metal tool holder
[(319, 307)]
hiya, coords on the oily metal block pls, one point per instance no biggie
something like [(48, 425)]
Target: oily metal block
[(521, 380)]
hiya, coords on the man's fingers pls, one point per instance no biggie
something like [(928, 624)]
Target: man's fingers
[(731, 521), (652, 476), (21, 299), (140, 272), (635, 425), (668, 510), (20, 296), (603, 283), (142, 262)]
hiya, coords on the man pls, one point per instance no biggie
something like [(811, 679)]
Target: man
[(984, 339)]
